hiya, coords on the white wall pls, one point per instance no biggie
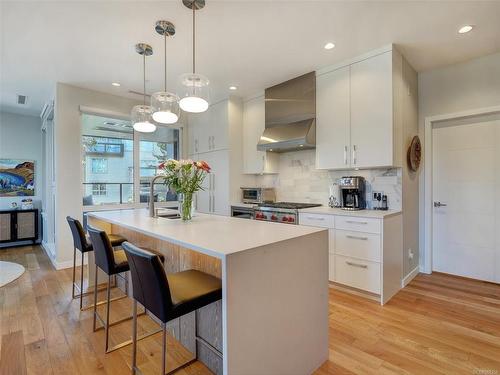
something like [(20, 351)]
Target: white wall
[(21, 138), (68, 156), (456, 88)]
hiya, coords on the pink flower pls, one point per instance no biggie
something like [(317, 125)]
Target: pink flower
[(203, 165)]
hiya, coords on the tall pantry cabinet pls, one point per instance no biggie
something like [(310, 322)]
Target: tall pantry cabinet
[(216, 137)]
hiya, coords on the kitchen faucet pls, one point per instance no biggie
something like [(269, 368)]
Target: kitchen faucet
[(152, 212)]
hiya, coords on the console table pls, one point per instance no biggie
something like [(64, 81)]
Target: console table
[(18, 225)]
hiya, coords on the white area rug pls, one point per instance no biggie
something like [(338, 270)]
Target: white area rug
[(9, 272)]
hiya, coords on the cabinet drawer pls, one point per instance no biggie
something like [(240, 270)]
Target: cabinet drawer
[(361, 274), (331, 267), (358, 244), (358, 224), (317, 220)]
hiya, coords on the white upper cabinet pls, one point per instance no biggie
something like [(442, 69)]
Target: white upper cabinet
[(256, 162), (333, 120), (371, 112), (208, 131), (358, 124)]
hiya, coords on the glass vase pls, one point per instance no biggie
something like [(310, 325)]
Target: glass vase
[(185, 206)]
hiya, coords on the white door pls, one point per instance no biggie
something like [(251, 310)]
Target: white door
[(371, 112), (466, 187), (333, 120)]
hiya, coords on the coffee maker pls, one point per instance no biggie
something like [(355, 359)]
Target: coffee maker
[(352, 190)]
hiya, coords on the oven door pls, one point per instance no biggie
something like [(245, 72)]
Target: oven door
[(251, 195), (242, 213)]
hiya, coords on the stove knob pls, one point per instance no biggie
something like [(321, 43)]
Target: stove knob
[(284, 218), (274, 217), (291, 219), (258, 215)]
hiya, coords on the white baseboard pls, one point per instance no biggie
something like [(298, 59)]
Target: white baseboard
[(406, 280), (61, 265)]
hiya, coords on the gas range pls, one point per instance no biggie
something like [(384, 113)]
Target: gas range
[(283, 212)]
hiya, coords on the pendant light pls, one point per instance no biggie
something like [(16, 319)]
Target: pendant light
[(141, 114), (193, 88), (165, 104)]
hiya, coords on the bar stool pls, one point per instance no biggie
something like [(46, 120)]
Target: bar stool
[(167, 296), (112, 263), (83, 244)]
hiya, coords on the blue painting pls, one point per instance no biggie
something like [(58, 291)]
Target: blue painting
[(17, 178)]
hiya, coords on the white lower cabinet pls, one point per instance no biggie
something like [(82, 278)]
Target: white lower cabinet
[(358, 273), (364, 253), (357, 244)]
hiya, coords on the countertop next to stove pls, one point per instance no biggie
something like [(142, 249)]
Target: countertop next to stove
[(325, 210)]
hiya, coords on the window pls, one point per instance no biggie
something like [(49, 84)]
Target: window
[(99, 165), (108, 179), (110, 147), (99, 189), (155, 148)]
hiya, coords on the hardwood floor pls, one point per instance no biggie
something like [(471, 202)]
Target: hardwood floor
[(438, 324)]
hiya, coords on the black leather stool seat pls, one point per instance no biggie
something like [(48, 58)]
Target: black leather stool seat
[(121, 263), (168, 296), (191, 290), (115, 239)]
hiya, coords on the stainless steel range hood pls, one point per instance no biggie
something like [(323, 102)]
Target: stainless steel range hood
[(290, 115)]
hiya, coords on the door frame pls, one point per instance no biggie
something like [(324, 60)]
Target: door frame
[(426, 262)]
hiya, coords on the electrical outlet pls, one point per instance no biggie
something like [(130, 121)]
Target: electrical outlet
[(410, 254), (375, 193)]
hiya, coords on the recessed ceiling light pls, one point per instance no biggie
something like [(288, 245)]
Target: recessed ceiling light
[(116, 84), (465, 29), (233, 88), (329, 45)]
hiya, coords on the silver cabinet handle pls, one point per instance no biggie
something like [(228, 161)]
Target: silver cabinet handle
[(345, 155), (439, 204), (213, 142), (316, 218), (213, 181), (357, 238), (356, 222), (354, 154), (196, 145), (213, 203), (356, 264)]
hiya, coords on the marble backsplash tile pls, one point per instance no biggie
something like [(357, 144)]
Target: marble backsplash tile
[(300, 181)]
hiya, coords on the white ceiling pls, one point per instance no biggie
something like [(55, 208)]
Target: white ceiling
[(250, 44)]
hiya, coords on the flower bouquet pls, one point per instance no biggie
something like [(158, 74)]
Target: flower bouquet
[(186, 178)]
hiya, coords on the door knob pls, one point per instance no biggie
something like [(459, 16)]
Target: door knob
[(439, 204)]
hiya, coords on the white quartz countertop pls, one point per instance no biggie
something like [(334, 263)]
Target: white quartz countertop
[(213, 235), (377, 214)]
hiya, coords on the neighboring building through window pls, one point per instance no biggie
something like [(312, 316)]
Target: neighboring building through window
[(99, 165), (108, 155)]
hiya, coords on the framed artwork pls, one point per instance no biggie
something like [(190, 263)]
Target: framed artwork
[(17, 178)]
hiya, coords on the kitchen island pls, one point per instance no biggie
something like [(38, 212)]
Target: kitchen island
[(273, 317)]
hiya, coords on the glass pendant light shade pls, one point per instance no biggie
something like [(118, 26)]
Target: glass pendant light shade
[(165, 106), (194, 92), (141, 118)]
